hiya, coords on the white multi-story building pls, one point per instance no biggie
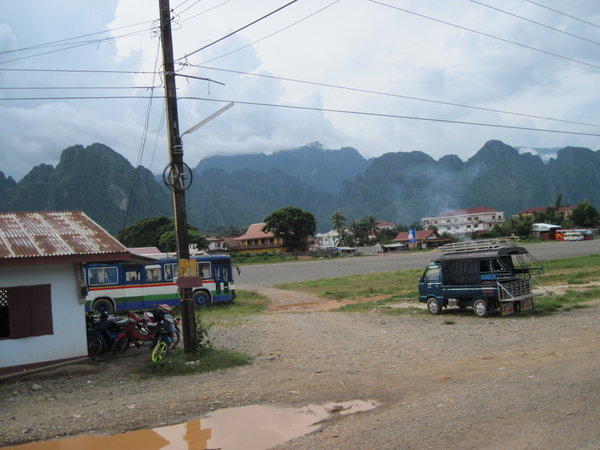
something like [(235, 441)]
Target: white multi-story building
[(327, 240), (463, 221)]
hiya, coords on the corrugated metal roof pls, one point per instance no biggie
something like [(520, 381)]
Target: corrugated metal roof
[(55, 234)]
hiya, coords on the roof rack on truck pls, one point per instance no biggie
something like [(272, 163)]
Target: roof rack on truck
[(477, 244)]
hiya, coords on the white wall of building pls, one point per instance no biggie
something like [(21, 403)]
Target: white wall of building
[(464, 223), (68, 316)]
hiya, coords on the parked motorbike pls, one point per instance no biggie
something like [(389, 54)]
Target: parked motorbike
[(139, 330), (102, 330), (164, 329), (149, 317)]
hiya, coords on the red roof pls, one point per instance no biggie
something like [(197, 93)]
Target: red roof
[(55, 237), (383, 223), (475, 210), (542, 209), (255, 231), (421, 235)]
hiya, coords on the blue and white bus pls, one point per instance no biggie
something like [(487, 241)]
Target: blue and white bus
[(132, 286)]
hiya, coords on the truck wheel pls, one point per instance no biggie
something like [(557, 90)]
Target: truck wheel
[(434, 306), (480, 307)]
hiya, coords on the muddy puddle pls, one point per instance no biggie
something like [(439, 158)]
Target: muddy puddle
[(253, 427)]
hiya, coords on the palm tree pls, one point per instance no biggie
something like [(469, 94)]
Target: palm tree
[(370, 228), (339, 224)]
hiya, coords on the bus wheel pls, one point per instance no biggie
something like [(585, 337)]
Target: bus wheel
[(201, 299), (434, 306), (480, 307), (103, 305)]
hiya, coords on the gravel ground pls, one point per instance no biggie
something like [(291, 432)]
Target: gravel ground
[(449, 381)]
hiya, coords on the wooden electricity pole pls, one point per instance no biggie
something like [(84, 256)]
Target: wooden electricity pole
[(177, 178)]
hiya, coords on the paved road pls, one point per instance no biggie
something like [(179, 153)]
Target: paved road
[(270, 274)]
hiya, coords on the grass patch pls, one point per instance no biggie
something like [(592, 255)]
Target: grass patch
[(246, 303), (568, 301), (178, 363), (355, 287), (579, 270), (261, 258)]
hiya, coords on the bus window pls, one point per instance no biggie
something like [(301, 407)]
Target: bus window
[(132, 275), (204, 269), (153, 273), (171, 271), (102, 275), (225, 272)]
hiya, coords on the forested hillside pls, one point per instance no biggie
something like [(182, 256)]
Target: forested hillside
[(400, 187)]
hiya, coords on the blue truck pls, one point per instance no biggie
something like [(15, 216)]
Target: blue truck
[(487, 275)]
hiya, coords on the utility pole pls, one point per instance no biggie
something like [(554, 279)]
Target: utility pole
[(177, 181)]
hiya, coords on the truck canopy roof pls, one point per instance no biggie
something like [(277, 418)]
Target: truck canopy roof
[(481, 254)]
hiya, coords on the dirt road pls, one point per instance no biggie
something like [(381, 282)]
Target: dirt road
[(449, 381)]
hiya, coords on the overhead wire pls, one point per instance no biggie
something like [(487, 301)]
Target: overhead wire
[(567, 58), (393, 116), (388, 94), (328, 110), (184, 57), (272, 34), (202, 12), (563, 13), (70, 45), (143, 140), (536, 23), (130, 72)]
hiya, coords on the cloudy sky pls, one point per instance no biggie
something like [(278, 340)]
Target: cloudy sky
[(380, 76)]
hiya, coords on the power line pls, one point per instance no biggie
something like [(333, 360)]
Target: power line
[(236, 31), (76, 45), (202, 12), (52, 43), (130, 72), (536, 23), (272, 34), (393, 116), (367, 91), (564, 14), (74, 87), (487, 35), (310, 108)]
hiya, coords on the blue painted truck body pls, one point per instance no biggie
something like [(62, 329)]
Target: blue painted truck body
[(488, 276)]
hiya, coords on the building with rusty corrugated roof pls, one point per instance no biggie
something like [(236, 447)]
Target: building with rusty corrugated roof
[(42, 294)]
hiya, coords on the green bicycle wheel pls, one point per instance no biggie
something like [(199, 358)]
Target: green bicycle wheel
[(159, 351)]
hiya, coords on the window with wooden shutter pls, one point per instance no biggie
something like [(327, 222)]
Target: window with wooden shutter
[(29, 311)]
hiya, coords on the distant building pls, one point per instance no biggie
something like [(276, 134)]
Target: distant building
[(327, 240), (463, 221), (256, 240), (383, 225), (565, 211), (216, 244), (425, 239)]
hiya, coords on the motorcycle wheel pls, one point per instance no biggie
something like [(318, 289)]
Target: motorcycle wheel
[(120, 345), (176, 338), (159, 351), (94, 344)]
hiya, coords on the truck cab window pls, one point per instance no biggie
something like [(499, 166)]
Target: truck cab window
[(432, 275)]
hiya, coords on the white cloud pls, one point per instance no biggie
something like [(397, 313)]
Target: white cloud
[(353, 43)]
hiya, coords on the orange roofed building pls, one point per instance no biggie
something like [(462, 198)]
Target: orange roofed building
[(256, 240)]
